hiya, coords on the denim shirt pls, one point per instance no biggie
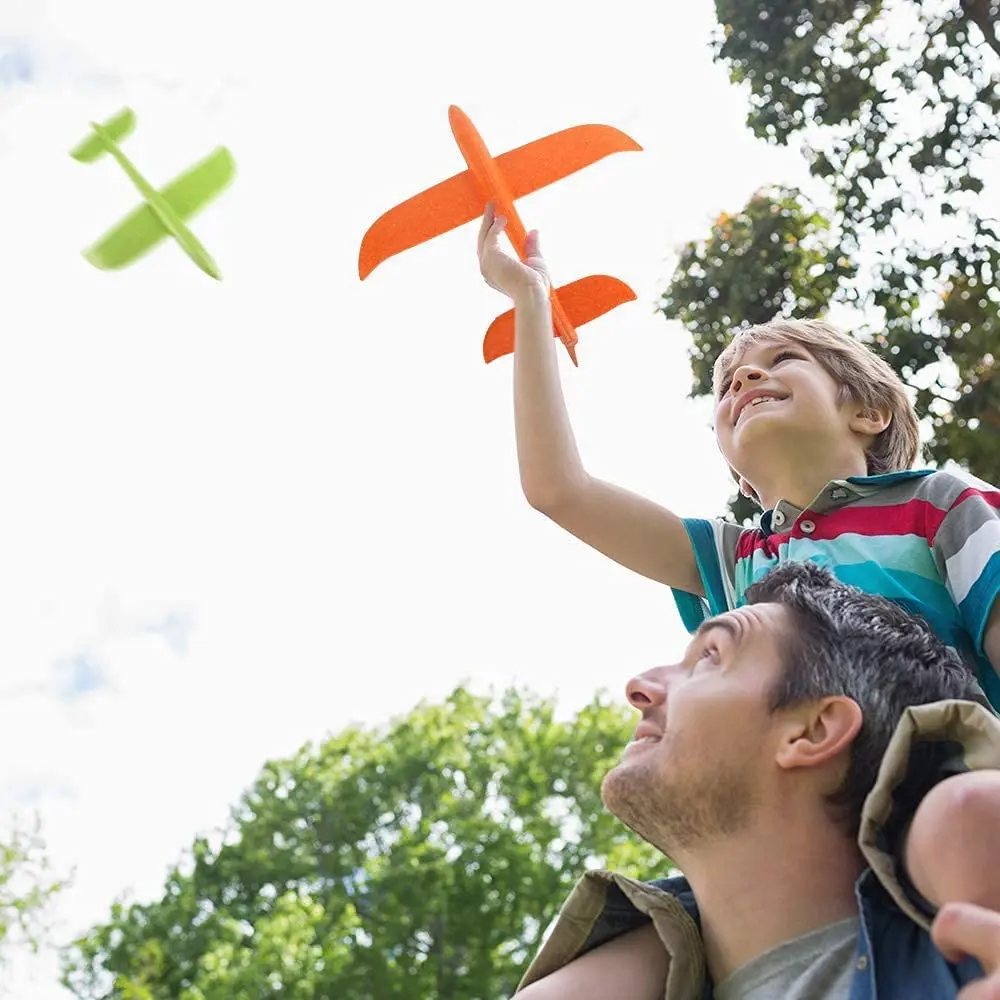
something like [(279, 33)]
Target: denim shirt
[(896, 958)]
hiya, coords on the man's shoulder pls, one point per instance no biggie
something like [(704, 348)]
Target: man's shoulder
[(674, 885), (604, 905)]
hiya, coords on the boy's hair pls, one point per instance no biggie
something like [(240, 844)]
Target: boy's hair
[(862, 376), (846, 642)]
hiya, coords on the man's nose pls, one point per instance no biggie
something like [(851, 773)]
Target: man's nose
[(744, 374), (647, 689)]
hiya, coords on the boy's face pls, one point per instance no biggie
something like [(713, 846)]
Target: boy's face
[(776, 406)]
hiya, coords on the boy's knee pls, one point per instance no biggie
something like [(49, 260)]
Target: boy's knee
[(954, 841), (968, 804)]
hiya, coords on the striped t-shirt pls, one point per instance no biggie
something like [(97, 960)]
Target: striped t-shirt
[(926, 539)]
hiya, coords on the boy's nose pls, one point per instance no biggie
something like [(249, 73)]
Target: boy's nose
[(745, 375)]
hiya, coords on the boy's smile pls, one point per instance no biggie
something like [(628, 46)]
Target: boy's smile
[(753, 399)]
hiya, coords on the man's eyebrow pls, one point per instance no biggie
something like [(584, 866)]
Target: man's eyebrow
[(725, 623)]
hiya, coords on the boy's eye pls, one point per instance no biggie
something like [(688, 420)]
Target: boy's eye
[(777, 359)]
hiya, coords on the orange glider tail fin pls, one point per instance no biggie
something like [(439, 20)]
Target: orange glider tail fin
[(581, 300)]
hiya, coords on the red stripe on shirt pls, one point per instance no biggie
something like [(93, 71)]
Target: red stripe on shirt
[(914, 517)]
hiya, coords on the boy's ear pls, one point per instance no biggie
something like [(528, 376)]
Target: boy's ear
[(871, 420), (745, 488), (748, 491)]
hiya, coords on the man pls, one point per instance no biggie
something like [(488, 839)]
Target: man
[(779, 765)]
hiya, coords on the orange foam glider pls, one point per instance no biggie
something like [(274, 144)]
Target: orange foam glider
[(502, 180)]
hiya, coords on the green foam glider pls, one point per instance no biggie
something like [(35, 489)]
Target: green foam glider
[(162, 213)]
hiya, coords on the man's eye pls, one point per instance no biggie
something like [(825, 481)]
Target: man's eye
[(784, 356)]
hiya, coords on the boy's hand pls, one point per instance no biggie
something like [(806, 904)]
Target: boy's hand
[(962, 929), (503, 272)]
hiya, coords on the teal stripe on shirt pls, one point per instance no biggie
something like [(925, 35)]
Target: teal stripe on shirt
[(979, 601), (692, 608), (906, 553)]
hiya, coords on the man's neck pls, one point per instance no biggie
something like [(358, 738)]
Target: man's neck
[(764, 887)]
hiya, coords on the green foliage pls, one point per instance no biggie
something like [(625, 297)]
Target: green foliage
[(898, 110), (422, 860), (27, 888), (775, 256)]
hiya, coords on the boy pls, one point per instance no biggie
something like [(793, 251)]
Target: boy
[(821, 433)]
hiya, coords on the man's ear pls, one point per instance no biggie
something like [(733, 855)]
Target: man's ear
[(870, 420), (819, 731)]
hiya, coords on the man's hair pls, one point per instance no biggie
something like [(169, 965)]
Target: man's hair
[(863, 377), (846, 642)]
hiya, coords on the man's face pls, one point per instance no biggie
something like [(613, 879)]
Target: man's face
[(706, 741), (777, 396)]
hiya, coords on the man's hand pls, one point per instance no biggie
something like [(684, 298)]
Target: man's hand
[(962, 929)]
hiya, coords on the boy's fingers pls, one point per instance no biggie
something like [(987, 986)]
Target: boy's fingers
[(531, 244), (965, 929), (485, 225), (491, 242)]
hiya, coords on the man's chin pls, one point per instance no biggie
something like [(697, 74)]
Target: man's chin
[(626, 795), (620, 786), (606, 784)]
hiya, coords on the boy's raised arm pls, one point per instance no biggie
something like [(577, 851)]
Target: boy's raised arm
[(635, 532)]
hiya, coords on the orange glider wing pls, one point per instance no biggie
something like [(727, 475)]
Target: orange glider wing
[(582, 300), (459, 199), (431, 213), (545, 161)]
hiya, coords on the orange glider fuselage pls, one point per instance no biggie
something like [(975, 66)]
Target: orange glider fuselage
[(501, 180)]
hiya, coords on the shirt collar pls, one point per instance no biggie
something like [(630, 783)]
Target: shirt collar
[(836, 493)]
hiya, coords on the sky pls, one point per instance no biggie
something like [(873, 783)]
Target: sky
[(237, 516)]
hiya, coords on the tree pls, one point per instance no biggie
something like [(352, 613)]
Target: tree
[(27, 889), (422, 860), (898, 111)]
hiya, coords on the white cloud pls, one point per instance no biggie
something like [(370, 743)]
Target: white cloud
[(316, 473)]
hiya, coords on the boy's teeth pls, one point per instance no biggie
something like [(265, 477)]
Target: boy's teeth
[(757, 401)]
